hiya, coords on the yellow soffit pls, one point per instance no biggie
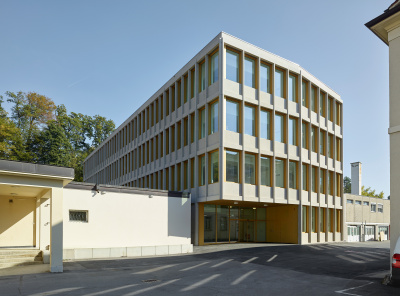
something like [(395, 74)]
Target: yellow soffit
[(66, 180), (384, 27)]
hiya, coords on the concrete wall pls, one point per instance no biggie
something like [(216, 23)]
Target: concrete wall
[(123, 224), (362, 213)]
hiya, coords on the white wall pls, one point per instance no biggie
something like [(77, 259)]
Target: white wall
[(122, 220)]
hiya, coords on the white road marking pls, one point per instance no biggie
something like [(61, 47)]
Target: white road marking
[(248, 261), (193, 267), (243, 277), (154, 269), (272, 258), (223, 262), (55, 292), (110, 290), (150, 288), (344, 291), (202, 282)]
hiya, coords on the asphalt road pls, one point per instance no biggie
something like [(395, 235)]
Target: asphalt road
[(321, 269)]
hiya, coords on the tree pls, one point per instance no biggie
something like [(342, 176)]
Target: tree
[(347, 185), (369, 192), (9, 135)]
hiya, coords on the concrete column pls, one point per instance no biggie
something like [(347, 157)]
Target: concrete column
[(56, 233)]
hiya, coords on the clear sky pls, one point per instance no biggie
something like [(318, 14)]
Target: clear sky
[(109, 57)]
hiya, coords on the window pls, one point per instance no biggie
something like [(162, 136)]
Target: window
[(322, 181), (330, 183), (75, 215), (305, 177), (232, 116), (330, 108), (322, 142), (265, 80), (192, 172), (304, 93), (338, 114), (350, 201), (280, 173), (373, 207), (192, 78), (185, 88), (293, 88), (314, 219), (330, 219), (305, 219), (330, 146), (213, 167), (322, 104), (322, 219), (232, 166), (250, 120), (304, 135), (293, 174), (172, 138), (185, 175), (214, 68), (314, 179), (179, 98), (314, 99), (292, 131), (338, 149), (202, 123), (250, 169), (279, 128), (279, 83), (338, 185), (185, 131), (213, 117), (314, 138), (250, 72), (232, 65), (365, 203), (358, 202), (172, 99), (179, 177), (265, 122), (202, 170), (380, 208), (179, 136), (192, 127), (202, 76), (265, 171), (167, 103), (338, 220)]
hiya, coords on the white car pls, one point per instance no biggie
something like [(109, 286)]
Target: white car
[(396, 263)]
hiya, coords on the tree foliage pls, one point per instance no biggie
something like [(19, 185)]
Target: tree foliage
[(369, 192), (347, 185), (39, 131)]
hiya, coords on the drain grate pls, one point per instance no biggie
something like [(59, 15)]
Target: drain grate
[(150, 281)]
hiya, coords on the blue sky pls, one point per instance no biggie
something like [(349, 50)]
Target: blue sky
[(108, 57)]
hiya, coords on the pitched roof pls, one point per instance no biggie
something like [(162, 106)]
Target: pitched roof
[(394, 4)]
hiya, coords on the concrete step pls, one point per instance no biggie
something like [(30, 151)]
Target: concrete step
[(17, 257), (20, 259), (19, 252), (37, 254), (7, 265)]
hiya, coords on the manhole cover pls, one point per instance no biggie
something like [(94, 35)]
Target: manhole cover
[(150, 281)]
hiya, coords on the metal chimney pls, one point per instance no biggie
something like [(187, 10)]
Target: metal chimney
[(356, 178)]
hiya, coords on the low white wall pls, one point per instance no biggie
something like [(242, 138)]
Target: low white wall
[(125, 224)]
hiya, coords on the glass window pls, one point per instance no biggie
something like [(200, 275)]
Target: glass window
[(314, 219), (330, 146), (380, 208), (250, 169), (304, 135), (314, 138), (265, 118), (279, 128), (330, 183), (330, 109), (202, 127), (304, 90), (214, 167), (232, 116), (349, 201), (232, 65), (322, 142), (365, 203), (292, 131), (265, 171), (222, 223), (305, 219), (209, 223), (292, 174), (338, 149), (232, 166), (250, 120), (313, 99), (279, 76), (358, 202), (305, 177), (279, 173), (214, 68), (322, 181), (214, 117), (338, 113), (202, 175), (202, 76), (322, 104), (265, 78), (250, 72), (313, 178), (373, 207), (322, 219), (293, 88)]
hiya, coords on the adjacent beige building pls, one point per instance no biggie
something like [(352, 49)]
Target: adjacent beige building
[(255, 138)]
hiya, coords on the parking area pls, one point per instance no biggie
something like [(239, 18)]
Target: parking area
[(239, 269)]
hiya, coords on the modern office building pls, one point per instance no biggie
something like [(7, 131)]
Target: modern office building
[(255, 139)]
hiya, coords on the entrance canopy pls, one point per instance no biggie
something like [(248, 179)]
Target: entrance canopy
[(31, 208)]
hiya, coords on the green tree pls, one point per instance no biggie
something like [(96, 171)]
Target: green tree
[(9, 135), (347, 185), (369, 192)]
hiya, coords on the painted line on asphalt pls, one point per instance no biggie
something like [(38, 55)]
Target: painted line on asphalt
[(272, 258), (150, 288), (243, 277), (221, 263), (111, 290), (202, 282), (195, 266), (55, 292), (248, 261), (345, 290), (154, 269)]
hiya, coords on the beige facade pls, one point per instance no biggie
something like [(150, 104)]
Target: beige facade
[(366, 218), (252, 136)]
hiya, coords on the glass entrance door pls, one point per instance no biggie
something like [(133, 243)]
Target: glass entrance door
[(246, 231)]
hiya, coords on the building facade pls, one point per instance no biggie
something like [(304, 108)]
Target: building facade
[(255, 139)]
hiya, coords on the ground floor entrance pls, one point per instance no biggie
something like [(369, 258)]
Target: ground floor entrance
[(235, 224), (353, 233)]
